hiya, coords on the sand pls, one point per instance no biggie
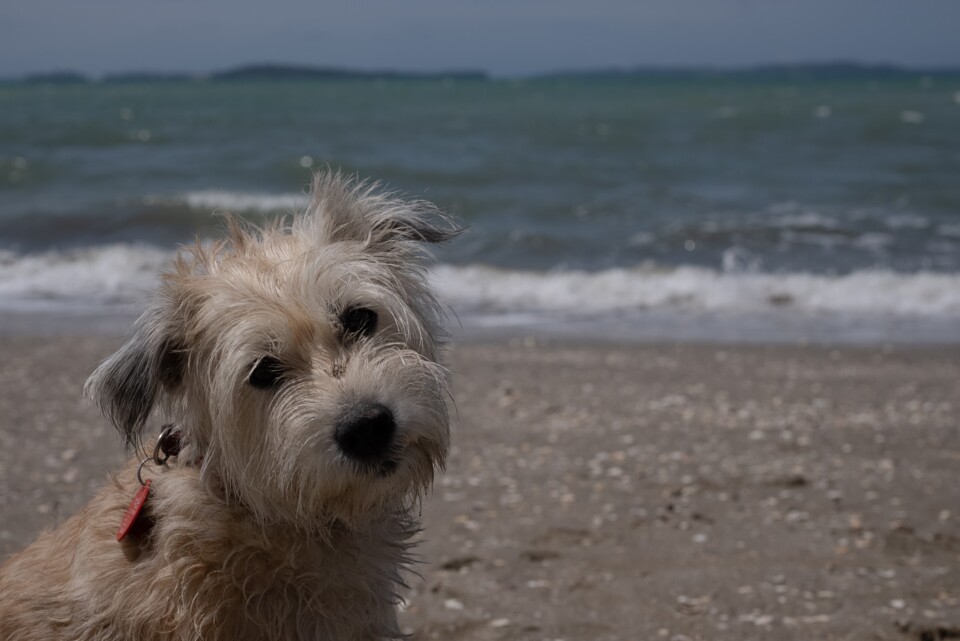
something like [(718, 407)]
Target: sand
[(624, 492)]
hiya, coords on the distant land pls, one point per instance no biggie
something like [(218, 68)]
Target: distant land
[(818, 71), (296, 72), (269, 72), (286, 72)]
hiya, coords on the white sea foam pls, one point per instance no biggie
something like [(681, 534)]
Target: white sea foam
[(487, 289), (906, 221), (119, 277), (804, 219), (949, 229), (236, 201)]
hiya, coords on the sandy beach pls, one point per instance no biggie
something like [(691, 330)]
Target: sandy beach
[(623, 491)]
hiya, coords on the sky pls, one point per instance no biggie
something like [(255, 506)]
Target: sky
[(504, 37)]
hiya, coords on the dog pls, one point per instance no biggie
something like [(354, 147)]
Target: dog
[(298, 365)]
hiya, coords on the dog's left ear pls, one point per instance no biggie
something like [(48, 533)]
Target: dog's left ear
[(414, 224), (345, 209), (127, 385)]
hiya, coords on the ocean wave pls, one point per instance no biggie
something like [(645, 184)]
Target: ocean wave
[(116, 275), (122, 275), (487, 289), (233, 201)]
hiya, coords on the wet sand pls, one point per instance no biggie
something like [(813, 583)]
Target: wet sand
[(624, 491)]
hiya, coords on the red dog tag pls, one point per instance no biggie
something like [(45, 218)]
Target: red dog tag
[(133, 511)]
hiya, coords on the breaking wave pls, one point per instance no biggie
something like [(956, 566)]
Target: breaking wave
[(121, 275), (232, 201), (695, 288)]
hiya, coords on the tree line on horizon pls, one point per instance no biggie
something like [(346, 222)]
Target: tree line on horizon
[(287, 72)]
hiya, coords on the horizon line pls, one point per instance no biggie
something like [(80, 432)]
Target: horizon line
[(264, 67)]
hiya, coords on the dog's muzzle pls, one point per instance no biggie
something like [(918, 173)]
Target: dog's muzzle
[(366, 432)]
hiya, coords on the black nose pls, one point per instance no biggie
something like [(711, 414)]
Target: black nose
[(365, 431)]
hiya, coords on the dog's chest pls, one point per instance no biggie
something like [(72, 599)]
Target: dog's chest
[(244, 581), (332, 593), (343, 588)]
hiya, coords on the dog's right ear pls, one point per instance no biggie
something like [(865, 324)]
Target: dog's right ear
[(127, 385)]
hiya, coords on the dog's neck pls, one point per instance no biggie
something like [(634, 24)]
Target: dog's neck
[(334, 562)]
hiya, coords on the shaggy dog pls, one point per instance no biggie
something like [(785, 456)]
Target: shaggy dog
[(298, 366)]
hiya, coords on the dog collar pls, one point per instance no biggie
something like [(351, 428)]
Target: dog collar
[(169, 443)]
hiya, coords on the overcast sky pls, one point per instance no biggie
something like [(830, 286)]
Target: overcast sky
[(505, 37)]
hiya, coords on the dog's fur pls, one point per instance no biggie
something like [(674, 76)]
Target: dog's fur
[(262, 527)]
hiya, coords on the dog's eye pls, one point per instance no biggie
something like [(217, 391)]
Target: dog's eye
[(266, 373), (358, 321)]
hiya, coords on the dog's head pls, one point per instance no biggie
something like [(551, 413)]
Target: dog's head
[(299, 360)]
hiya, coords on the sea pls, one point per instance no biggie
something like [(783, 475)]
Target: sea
[(695, 208)]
